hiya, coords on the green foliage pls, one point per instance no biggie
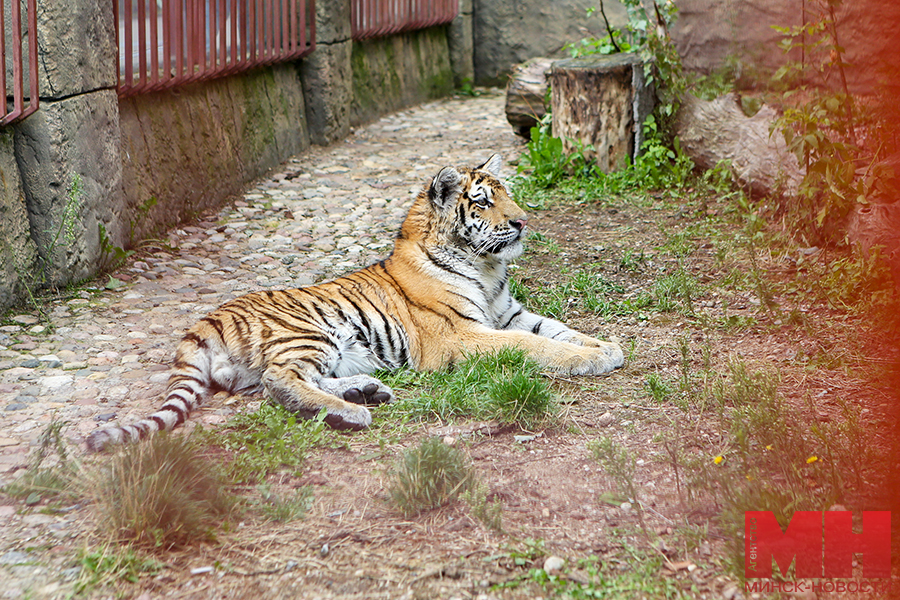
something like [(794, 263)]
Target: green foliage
[(107, 566), (650, 39), (587, 290), (505, 385), (820, 125), (163, 492), (430, 475), (266, 441), (658, 388), (676, 292), (625, 574), (548, 160)]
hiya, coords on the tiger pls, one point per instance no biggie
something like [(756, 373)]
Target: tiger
[(441, 295)]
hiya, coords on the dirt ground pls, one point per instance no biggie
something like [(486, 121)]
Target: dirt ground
[(557, 499)]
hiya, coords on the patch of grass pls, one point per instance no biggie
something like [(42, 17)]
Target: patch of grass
[(109, 565), (676, 292), (163, 492), (285, 507), (430, 475), (489, 512), (266, 441), (587, 290), (506, 386), (625, 574), (658, 388)]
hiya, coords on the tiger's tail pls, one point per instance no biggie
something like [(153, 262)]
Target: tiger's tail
[(187, 387)]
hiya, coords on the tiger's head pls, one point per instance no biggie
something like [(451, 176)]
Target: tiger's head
[(469, 210)]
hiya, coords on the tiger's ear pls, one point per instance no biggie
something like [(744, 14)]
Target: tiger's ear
[(445, 186), (492, 165)]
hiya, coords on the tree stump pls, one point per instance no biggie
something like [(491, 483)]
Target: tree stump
[(600, 103), (718, 130), (526, 94)]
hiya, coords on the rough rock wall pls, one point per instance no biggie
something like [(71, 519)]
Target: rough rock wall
[(392, 72)]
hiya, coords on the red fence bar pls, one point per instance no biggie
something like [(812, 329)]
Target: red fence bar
[(11, 56), (374, 18), (181, 41)]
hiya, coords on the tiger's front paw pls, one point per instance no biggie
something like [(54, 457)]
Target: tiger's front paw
[(358, 389), (593, 361)]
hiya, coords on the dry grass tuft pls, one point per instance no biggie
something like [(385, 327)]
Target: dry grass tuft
[(161, 492)]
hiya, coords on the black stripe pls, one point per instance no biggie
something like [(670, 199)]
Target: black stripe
[(160, 424), (180, 415), (512, 318), (461, 315), (537, 327), (217, 325), (449, 269), (410, 302), (193, 337), (470, 301)]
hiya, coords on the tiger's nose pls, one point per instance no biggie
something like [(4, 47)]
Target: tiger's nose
[(518, 224)]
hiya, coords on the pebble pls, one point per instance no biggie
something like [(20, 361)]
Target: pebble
[(553, 565)]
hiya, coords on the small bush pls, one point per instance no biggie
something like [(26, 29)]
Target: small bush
[(430, 475), (162, 492)]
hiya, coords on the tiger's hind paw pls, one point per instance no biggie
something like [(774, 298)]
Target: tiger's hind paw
[(348, 422), (358, 389)]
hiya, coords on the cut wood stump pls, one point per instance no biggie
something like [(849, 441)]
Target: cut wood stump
[(600, 103), (526, 94), (712, 131)]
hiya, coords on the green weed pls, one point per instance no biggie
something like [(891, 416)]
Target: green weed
[(50, 474), (107, 566), (266, 441), (286, 507), (658, 388), (620, 465), (489, 512), (430, 475), (676, 292)]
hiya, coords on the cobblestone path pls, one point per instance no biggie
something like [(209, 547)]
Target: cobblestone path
[(325, 212)]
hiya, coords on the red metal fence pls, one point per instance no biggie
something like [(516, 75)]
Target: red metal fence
[(12, 71), (373, 18), (165, 43)]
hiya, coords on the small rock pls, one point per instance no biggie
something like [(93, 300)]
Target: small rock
[(25, 319), (606, 419), (51, 361), (554, 564), (201, 570), (30, 363), (105, 417), (625, 506)]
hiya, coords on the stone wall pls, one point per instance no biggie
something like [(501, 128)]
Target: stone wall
[(392, 72)]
